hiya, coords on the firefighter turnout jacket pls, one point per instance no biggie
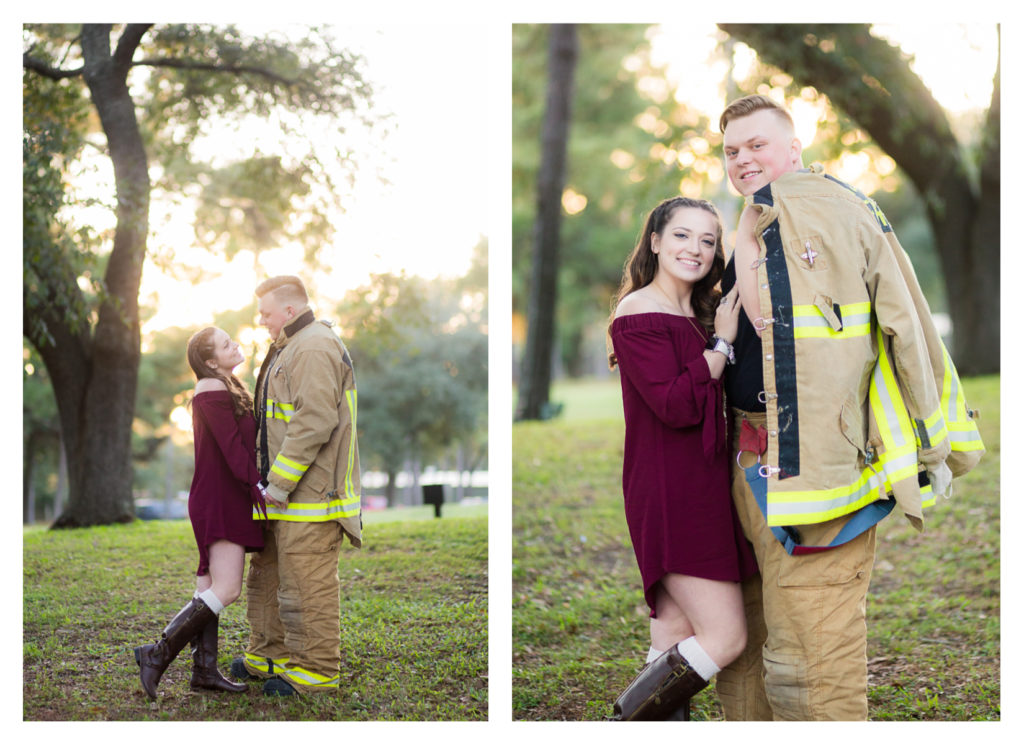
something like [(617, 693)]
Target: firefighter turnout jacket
[(859, 389), (306, 410)]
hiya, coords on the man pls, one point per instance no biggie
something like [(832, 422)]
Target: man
[(841, 390), (309, 460)]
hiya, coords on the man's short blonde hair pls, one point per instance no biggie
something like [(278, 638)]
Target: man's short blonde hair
[(286, 289), (747, 105)]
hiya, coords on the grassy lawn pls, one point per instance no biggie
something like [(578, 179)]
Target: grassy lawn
[(580, 623), (413, 642)]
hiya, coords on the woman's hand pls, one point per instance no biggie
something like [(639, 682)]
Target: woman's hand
[(727, 317)]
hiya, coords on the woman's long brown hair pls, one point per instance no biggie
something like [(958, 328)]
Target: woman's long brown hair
[(642, 265), (200, 349)]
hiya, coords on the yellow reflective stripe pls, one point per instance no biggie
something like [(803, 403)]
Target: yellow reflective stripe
[(964, 436), (927, 496), (887, 403), (962, 429), (934, 428), (279, 410), (819, 505), (265, 664), (311, 512), (352, 499), (308, 678), (810, 323), (287, 468)]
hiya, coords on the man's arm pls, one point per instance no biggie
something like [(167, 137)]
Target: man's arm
[(316, 393), (746, 253)]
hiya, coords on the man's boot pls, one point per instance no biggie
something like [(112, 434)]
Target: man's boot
[(660, 691), (204, 662), (153, 659)]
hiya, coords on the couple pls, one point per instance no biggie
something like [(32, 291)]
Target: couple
[(283, 484), (756, 559)]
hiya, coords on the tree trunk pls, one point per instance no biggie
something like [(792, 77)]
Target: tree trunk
[(389, 489), (95, 382), (535, 381), (870, 81)]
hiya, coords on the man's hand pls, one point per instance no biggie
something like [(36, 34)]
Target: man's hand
[(276, 496)]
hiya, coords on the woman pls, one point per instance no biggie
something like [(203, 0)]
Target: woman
[(675, 475), (225, 486)]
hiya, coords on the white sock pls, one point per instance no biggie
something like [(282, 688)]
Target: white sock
[(699, 660), (653, 654), (212, 601)]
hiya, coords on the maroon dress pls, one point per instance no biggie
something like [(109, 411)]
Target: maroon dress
[(676, 469), (224, 483)]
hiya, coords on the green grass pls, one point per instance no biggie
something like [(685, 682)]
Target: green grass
[(579, 621), (414, 617)]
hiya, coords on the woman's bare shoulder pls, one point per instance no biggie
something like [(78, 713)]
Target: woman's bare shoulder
[(210, 384), (637, 302)]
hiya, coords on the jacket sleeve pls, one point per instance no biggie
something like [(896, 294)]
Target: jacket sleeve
[(219, 416), (315, 385), (679, 397), (902, 318)]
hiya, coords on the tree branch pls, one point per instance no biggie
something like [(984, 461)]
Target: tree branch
[(47, 71), (129, 42), (211, 67)]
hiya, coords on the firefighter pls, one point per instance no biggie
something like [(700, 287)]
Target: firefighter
[(308, 458)]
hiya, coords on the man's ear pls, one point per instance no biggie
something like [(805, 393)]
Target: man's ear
[(797, 150)]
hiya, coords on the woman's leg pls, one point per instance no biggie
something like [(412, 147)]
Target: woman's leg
[(227, 563), (712, 609), (669, 625), (701, 625), (218, 589)]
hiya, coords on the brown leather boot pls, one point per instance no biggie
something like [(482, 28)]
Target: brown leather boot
[(153, 659), (660, 691), (204, 662)]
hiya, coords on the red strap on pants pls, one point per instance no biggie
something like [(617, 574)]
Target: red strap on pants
[(753, 440)]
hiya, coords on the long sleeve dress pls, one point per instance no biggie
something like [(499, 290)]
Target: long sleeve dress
[(224, 484), (675, 473)]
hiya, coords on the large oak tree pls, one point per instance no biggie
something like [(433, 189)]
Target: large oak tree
[(141, 94)]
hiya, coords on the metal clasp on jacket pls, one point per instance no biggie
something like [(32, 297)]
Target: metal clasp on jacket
[(766, 471), (762, 323), (764, 397)]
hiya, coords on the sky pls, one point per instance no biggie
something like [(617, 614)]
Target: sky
[(426, 221)]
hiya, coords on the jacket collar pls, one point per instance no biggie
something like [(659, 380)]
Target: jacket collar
[(294, 326)]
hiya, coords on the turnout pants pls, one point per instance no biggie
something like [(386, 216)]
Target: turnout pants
[(805, 618), (294, 605)]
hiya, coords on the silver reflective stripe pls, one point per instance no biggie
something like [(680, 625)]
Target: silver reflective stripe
[(873, 484), (957, 435), (856, 319), (305, 677), (888, 408)]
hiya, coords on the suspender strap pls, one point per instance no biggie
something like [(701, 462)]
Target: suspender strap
[(788, 536), (261, 414)]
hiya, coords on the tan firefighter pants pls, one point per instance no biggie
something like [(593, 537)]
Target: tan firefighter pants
[(294, 605), (809, 624)]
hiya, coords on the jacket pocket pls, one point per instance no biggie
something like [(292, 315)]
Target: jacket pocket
[(852, 425), (313, 484), (850, 562)]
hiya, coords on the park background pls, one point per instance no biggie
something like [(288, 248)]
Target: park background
[(239, 152), (608, 120)]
